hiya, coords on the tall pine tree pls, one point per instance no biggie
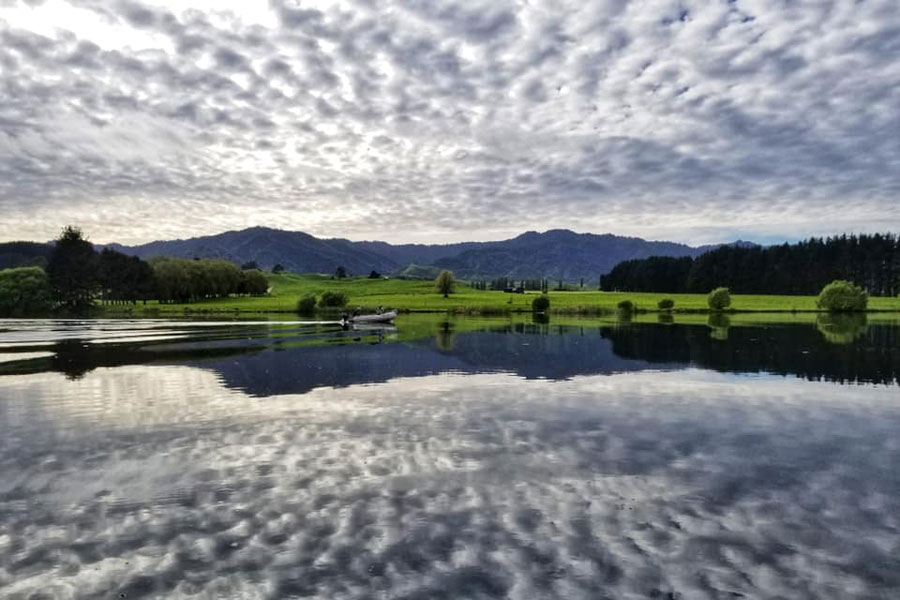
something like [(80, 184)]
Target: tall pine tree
[(73, 270)]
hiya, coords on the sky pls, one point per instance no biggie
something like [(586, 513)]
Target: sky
[(434, 121)]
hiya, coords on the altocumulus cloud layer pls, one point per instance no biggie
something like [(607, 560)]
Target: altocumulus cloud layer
[(691, 120)]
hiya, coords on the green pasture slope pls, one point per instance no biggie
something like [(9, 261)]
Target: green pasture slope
[(420, 296)]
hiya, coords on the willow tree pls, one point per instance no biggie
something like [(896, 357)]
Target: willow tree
[(24, 291)]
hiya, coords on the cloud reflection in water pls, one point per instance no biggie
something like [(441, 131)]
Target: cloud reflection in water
[(160, 482)]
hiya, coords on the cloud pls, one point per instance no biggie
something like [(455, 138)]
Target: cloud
[(695, 121)]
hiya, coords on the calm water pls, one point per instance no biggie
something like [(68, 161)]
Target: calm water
[(462, 459)]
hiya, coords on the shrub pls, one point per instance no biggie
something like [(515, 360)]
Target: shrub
[(842, 296), (626, 306), (306, 305), (333, 299), (719, 299), (541, 303), (666, 304)]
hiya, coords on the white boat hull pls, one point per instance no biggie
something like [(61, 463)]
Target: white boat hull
[(382, 318)]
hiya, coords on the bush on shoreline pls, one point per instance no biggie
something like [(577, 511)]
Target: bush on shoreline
[(626, 307), (306, 305), (719, 299), (540, 304), (842, 296)]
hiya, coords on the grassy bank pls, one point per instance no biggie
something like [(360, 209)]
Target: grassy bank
[(420, 296)]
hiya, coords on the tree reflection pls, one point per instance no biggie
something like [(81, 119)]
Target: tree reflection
[(265, 362), (540, 318), (444, 337), (718, 324), (843, 328)]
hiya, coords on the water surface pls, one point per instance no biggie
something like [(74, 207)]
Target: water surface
[(449, 459)]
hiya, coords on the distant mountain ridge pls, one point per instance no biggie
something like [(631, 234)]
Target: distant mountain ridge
[(555, 254), (296, 251)]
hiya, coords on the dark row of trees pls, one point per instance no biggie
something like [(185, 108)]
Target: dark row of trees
[(76, 276), (125, 278), (540, 285), (505, 283), (654, 274), (869, 261)]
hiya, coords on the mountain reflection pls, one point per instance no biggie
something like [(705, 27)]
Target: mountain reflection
[(265, 359)]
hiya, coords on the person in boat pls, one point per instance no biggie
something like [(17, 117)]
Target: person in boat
[(357, 311), (379, 310)]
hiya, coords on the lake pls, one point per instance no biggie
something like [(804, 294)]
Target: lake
[(463, 458)]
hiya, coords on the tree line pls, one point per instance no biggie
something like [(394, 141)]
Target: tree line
[(76, 276), (506, 283), (869, 261), (180, 280)]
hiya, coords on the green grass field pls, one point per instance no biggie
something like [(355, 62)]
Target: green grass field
[(420, 296)]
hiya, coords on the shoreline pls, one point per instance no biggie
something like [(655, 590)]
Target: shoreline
[(491, 311), (420, 297)]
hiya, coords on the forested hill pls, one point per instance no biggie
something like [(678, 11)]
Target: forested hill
[(418, 254), (558, 254), (871, 261), (24, 254), (296, 251)]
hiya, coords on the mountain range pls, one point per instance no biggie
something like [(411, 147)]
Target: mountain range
[(555, 254)]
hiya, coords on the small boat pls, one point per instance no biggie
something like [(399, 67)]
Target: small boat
[(379, 329), (385, 317)]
